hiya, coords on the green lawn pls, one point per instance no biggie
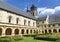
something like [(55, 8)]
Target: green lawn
[(30, 39)]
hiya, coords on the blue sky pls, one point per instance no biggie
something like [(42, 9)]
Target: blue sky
[(43, 6)]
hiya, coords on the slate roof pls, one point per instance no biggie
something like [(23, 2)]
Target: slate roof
[(13, 9), (54, 18), (42, 18)]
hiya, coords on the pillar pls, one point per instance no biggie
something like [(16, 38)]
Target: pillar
[(29, 31), (51, 30), (24, 31), (32, 31), (19, 31), (3, 31), (57, 30), (13, 33), (47, 31)]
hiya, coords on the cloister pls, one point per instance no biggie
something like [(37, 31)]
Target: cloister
[(17, 30), (51, 30), (12, 30)]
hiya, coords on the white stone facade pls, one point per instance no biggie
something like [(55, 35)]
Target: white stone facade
[(4, 18)]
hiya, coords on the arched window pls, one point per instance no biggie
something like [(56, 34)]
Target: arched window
[(27, 31), (9, 19), (33, 13), (8, 31), (54, 30), (50, 31), (17, 20), (0, 31), (22, 31), (16, 31), (31, 31), (45, 31), (59, 30)]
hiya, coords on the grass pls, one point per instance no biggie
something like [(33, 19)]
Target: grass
[(31, 39), (25, 39)]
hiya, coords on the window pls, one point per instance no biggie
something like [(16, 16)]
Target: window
[(24, 22), (17, 20), (28, 23), (44, 25), (33, 13), (10, 19), (38, 23), (43, 22), (58, 24), (48, 25), (53, 25), (38, 26), (33, 23)]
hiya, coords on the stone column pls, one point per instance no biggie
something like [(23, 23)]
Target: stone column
[(40, 31), (47, 31), (3, 32), (57, 30), (13, 33), (29, 31), (43, 31), (51, 30), (19, 31), (24, 31), (32, 31)]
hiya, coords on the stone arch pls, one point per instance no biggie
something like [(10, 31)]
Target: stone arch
[(16, 31), (31, 31), (8, 31), (0, 31), (45, 31), (59, 30), (22, 31), (42, 31), (54, 30), (27, 31), (50, 31), (34, 31)]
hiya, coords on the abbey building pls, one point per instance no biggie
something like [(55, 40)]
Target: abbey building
[(14, 21)]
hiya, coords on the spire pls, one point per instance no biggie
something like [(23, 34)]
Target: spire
[(27, 7)]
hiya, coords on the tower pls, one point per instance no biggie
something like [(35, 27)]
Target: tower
[(33, 10)]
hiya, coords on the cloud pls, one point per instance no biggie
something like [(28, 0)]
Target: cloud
[(40, 9), (48, 11), (57, 8), (45, 11)]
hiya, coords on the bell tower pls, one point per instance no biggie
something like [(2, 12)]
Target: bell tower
[(33, 10)]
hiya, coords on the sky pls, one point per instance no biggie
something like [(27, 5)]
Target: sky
[(44, 7)]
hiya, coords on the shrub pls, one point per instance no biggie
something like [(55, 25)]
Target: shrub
[(57, 40), (10, 39)]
